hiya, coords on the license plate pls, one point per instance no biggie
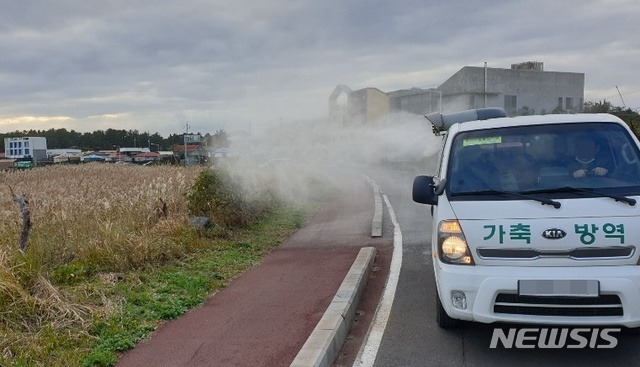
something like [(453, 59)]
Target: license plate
[(548, 287)]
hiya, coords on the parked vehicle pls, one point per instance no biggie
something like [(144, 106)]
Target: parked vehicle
[(24, 164)]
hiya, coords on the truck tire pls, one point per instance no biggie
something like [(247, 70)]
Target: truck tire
[(444, 320)]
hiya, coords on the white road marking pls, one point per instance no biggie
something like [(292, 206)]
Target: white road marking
[(369, 350)]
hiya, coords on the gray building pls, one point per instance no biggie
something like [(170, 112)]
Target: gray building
[(26, 148), (362, 106), (415, 100), (371, 105), (339, 105), (524, 89)]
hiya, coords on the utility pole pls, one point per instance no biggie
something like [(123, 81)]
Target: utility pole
[(186, 127), (485, 84)]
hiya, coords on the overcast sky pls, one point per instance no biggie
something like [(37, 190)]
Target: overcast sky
[(154, 65)]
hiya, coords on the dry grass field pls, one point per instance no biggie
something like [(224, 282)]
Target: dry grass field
[(86, 220), (112, 253), (103, 216)]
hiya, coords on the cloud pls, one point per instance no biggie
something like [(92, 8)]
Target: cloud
[(33, 122), (233, 62)]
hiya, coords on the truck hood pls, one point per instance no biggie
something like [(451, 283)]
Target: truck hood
[(530, 209), (517, 232)]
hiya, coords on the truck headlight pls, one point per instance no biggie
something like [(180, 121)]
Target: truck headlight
[(452, 246)]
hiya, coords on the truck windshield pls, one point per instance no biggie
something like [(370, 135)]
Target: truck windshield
[(541, 159)]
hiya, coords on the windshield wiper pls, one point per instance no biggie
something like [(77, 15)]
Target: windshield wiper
[(543, 201), (630, 201)]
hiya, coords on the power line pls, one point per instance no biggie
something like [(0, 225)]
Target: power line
[(624, 105), (633, 91)]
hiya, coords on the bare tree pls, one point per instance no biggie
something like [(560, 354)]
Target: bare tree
[(23, 204)]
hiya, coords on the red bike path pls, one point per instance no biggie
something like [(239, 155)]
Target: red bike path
[(265, 316)]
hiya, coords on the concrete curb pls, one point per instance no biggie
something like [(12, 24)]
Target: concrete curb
[(325, 342), (376, 221)]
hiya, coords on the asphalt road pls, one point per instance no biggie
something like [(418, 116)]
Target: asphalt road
[(412, 337)]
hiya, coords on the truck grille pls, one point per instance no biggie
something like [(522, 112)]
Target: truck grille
[(612, 252), (603, 305)]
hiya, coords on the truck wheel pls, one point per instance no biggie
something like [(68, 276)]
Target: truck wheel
[(443, 319)]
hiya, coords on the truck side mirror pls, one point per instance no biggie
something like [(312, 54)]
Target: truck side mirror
[(424, 190)]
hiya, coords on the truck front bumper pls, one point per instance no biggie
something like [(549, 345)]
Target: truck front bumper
[(491, 294)]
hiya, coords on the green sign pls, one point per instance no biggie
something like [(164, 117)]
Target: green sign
[(482, 141), (517, 232), (588, 232), (23, 164)]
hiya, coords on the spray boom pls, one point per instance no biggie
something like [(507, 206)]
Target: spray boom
[(443, 122)]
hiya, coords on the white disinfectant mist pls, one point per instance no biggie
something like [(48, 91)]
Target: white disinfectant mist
[(294, 159)]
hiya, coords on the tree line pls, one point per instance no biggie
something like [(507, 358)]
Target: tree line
[(631, 117), (105, 139), (112, 138)]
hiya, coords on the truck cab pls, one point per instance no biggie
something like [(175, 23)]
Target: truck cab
[(535, 219)]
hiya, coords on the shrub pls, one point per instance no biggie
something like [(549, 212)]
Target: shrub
[(223, 199)]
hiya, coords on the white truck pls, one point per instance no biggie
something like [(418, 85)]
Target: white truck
[(535, 219)]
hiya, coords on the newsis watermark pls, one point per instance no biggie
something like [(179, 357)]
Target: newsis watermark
[(554, 338)]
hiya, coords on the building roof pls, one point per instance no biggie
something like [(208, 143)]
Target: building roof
[(27, 138), (411, 92), (93, 156), (148, 155), (133, 150), (63, 151), (189, 148), (368, 89), (339, 90), (469, 75)]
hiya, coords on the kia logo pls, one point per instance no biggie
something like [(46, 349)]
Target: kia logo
[(553, 234)]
